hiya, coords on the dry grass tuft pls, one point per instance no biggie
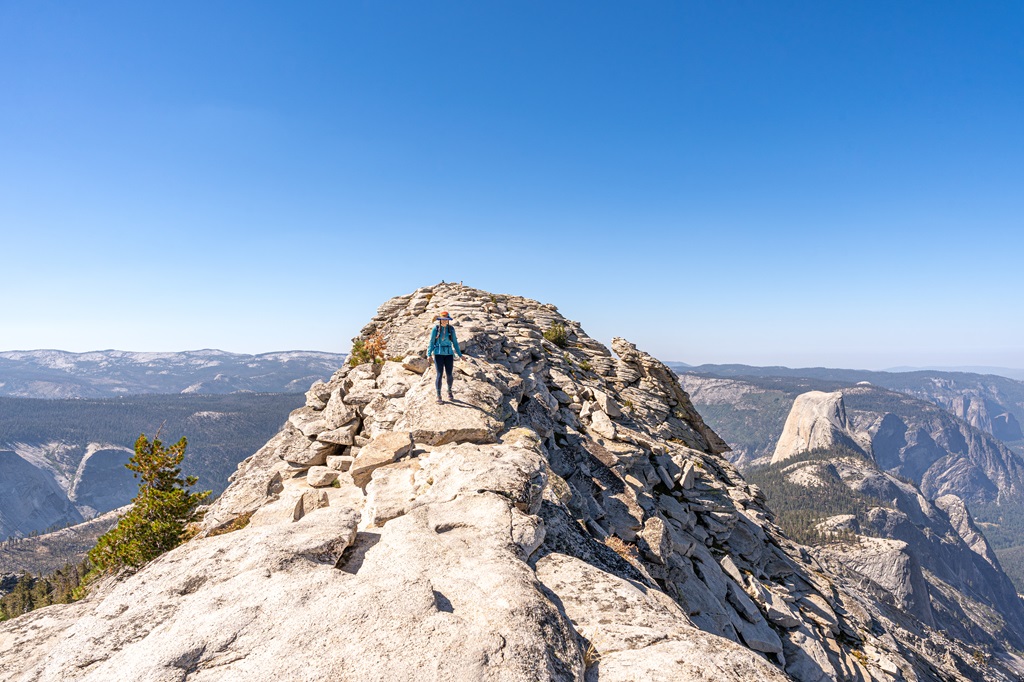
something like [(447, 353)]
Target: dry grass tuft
[(238, 523), (590, 656), (623, 549)]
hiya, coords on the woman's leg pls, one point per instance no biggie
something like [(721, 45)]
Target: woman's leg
[(439, 368), (449, 366)]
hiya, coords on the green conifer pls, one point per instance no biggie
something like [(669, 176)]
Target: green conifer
[(159, 513)]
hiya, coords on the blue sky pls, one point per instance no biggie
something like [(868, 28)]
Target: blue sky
[(795, 183)]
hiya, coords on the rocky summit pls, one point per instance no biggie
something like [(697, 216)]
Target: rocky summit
[(569, 516)]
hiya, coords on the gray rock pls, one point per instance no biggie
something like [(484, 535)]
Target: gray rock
[(602, 425), (607, 404), (337, 413), (472, 418), (308, 421), (340, 462), (383, 449), (318, 395), (344, 435), (321, 476), (688, 475), (655, 540), (817, 420), (415, 363), (642, 634)]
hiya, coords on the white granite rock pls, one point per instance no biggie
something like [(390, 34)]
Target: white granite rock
[(321, 476), (383, 449)]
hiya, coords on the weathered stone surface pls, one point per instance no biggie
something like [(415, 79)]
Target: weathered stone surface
[(318, 395), (394, 380), (340, 462), (337, 413), (300, 450), (655, 541), (383, 449), (889, 564), (390, 493), (607, 404), (961, 521), (602, 425), (344, 435), (641, 634), (415, 363), (321, 476), (688, 476), (308, 421), (470, 418)]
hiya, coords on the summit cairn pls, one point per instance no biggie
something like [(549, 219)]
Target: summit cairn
[(567, 517)]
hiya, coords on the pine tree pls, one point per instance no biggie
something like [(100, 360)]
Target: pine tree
[(159, 513)]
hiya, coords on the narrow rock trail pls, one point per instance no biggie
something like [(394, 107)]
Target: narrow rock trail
[(567, 517)]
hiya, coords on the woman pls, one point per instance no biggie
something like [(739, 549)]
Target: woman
[(443, 346)]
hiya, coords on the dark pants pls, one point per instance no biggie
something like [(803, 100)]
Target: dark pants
[(443, 363)]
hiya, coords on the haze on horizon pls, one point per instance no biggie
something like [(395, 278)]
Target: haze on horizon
[(802, 185)]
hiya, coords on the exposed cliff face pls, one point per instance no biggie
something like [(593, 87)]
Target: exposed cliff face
[(568, 517), (986, 415), (30, 498), (905, 435), (930, 557), (927, 444), (817, 421)]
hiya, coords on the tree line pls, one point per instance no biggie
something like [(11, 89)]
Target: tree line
[(800, 508)]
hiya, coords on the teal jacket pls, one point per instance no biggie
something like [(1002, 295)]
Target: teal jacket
[(445, 344)]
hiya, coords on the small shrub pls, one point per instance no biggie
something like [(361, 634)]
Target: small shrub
[(372, 350), (585, 365), (557, 335), (627, 405)]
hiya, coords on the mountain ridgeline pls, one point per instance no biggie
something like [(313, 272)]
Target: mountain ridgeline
[(569, 516), (112, 373)]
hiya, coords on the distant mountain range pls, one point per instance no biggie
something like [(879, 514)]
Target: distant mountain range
[(991, 403), (1007, 372), (942, 432), (112, 373)]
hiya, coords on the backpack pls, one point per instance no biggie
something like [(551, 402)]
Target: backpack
[(448, 333)]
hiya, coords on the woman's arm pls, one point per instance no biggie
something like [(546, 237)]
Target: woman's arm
[(455, 342), (430, 346)]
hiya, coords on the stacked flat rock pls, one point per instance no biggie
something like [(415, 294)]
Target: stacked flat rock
[(567, 517)]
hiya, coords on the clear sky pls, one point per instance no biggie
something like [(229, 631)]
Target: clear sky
[(799, 183)]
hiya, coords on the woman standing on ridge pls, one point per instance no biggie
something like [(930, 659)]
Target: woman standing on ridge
[(443, 346)]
